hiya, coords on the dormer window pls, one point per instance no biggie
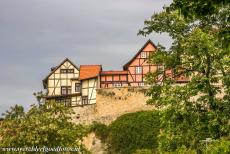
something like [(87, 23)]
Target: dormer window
[(66, 71), (143, 55)]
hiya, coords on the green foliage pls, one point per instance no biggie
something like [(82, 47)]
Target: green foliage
[(134, 131), (47, 125), (15, 112), (40, 97), (100, 130), (182, 150), (198, 8), (143, 151), (199, 109), (220, 146)]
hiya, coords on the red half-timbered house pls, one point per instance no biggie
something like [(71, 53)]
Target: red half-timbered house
[(138, 66), (110, 79)]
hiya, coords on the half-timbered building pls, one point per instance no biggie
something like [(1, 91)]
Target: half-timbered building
[(110, 79), (138, 66), (77, 86), (73, 86), (60, 83), (89, 82)]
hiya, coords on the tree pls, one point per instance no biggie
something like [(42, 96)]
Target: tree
[(40, 97), (47, 125), (198, 8), (200, 50), (134, 131), (221, 146), (15, 112)]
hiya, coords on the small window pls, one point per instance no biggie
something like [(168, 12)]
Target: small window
[(77, 87), (68, 90), (84, 100), (160, 68), (143, 55), (141, 84), (117, 85), (65, 90), (70, 70), (66, 71), (138, 70), (63, 71), (65, 101)]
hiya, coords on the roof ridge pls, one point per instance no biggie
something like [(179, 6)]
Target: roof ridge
[(92, 65)]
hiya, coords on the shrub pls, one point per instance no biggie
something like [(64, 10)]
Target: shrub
[(134, 131), (219, 146), (143, 151), (100, 130)]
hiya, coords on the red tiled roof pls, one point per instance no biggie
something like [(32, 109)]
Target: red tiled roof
[(89, 71), (113, 72)]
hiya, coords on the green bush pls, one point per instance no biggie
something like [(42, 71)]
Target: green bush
[(100, 130), (134, 131), (219, 146), (143, 151)]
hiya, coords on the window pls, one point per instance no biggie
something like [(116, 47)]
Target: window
[(160, 68), (84, 100), (117, 85), (65, 101), (65, 90), (143, 55), (138, 70), (66, 71), (141, 84), (77, 87)]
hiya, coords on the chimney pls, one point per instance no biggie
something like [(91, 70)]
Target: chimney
[(52, 68)]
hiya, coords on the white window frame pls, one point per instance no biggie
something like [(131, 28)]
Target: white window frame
[(141, 84), (138, 70), (161, 68), (117, 85), (143, 54)]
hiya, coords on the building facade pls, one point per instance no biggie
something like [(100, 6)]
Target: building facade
[(75, 86)]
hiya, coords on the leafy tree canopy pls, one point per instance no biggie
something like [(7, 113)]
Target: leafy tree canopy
[(200, 51), (46, 125)]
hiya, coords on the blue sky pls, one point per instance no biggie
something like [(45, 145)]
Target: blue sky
[(38, 34)]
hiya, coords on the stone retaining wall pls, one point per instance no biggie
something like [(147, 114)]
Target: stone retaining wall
[(112, 103)]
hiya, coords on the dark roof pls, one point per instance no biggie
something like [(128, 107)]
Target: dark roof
[(149, 41), (89, 71), (54, 69)]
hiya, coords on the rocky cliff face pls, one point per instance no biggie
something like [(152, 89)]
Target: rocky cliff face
[(94, 145), (112, 103)]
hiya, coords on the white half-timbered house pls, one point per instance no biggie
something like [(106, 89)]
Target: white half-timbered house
[(73, 86), (63, 84)]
